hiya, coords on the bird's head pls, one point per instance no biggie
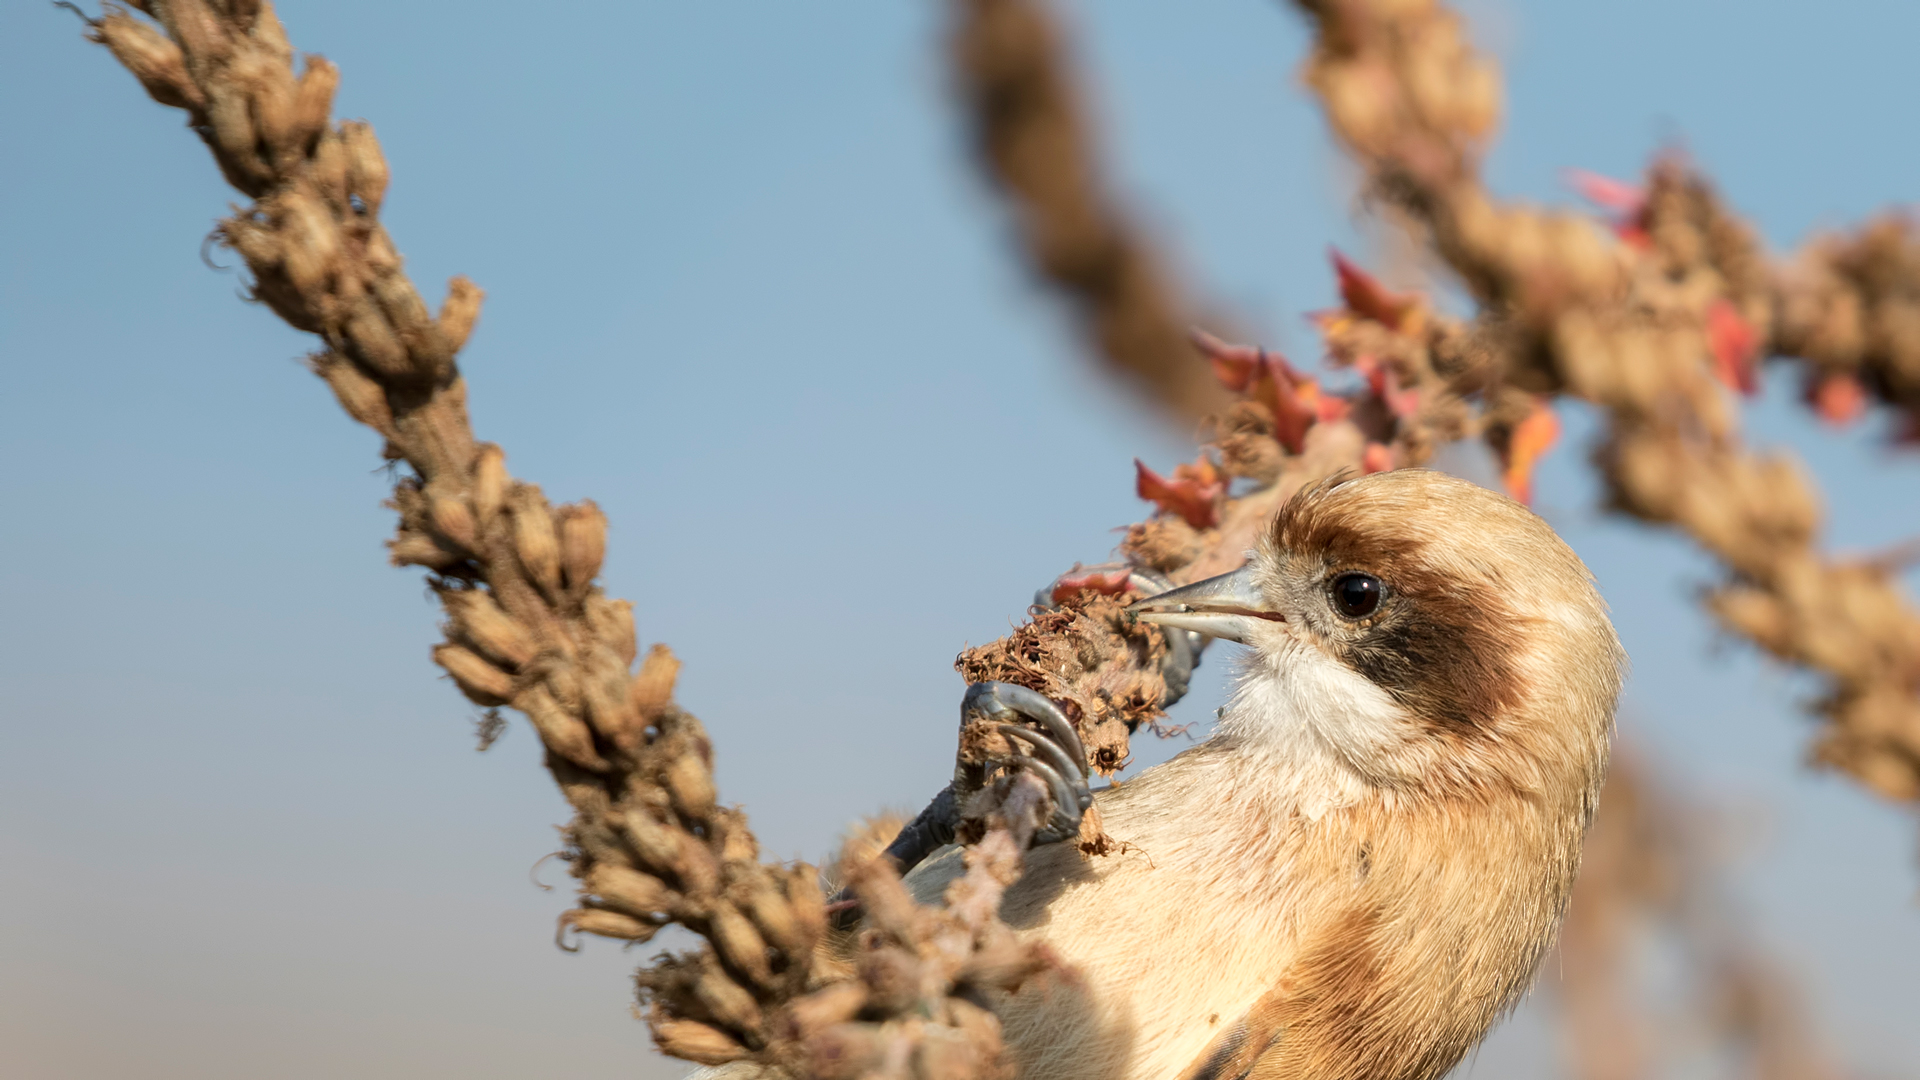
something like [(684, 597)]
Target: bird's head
[(1419, 634)]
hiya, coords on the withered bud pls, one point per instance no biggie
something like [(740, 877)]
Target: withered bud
[(328, 168), (653, 686), (690, 782), (768, 906), (583, 542), (460, 311), (691, 1040), (657, 844), (479, 621), (740, 944), (534, 538), (612, 624), (836, 1004), (313, 102), (271, 88), (608, 924), (483, 683), (153, 59), (366, 165), (362, 398), (629, 890), (409, 548), (561, 732), (726, 1000), (453, 520), (490, 481)]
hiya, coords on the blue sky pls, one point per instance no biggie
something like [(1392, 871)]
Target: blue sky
[(746, 293)]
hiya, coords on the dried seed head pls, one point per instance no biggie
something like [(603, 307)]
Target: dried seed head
[(366, 165), (583, 543), (480, 622), (563, 733), (612, 624), (694, 1041), (740, 944), (362, 398), (460, 311), (153, 59), (608, 924), (483, 683), (312, 103), (490, 482), (534, 538), (653, 686), (690, 783), (727, 1001), (628, 890)]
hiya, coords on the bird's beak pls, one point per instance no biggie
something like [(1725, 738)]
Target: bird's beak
[(1222, 607)]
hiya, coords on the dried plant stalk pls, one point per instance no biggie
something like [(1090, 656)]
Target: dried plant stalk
[(528, 627), (1032, 141), (1653, 863)]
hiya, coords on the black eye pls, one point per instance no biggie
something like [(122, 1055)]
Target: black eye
[(1356, 595)]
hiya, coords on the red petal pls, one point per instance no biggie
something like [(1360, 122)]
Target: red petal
[(1113, 584), (1377, 457), (1292, 401), (1194, 493), (1735, 347), (1365, 296), (1233, 365), (1606, 192), (1530, 441), (1837, 399)]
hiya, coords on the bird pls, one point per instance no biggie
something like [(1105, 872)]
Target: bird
[(1358, 873)]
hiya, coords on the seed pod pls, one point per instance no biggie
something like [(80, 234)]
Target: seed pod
[(460, 311), (805, 900), (362, 398), (768, 906), (453, 520), (690, 783), (366, 165), (373, 341), (312, 103), (271, 91), (612, 624), (153, 59), (534, 539), (583, 543), (563, 733), (608, 924), (694, 1041), (490, 482), (328, 168), (410, 548), (836, 1004), (740, 944), (726, 1000), (653, 687), (479, 621), (625, 889), (234, 138), (657, 844), (483, 683)]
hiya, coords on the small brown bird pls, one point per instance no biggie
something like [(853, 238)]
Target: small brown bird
[(1360, 871)]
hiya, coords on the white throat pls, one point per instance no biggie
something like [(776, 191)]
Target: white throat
[(1328, 733)]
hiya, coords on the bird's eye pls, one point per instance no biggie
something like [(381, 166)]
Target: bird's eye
[(1356, 595)]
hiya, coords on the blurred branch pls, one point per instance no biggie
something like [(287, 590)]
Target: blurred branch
[(528, 627), (1033, 140), (1652, 864)]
